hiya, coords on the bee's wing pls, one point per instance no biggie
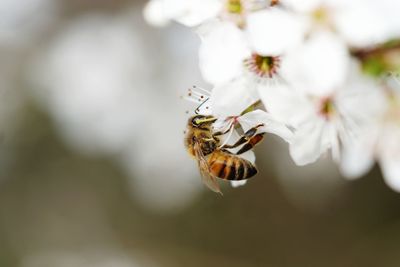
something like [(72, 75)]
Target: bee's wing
[(206, 176)]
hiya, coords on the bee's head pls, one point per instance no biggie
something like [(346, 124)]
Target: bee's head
[(199, 121)]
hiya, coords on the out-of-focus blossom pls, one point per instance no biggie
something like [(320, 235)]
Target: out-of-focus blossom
[(102, 90), (381, 142), (196, 12), (273, 31), (187, 12), (333, 103), (86, 78), (361, 23), (21, 20)]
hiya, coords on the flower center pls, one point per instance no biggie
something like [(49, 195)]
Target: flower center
[(234, 6), (263, 66), (274, 2), (327, 108), (320, 14)]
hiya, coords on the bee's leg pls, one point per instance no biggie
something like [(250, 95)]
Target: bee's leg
[(221, 133), (246, 137), (251, 143)]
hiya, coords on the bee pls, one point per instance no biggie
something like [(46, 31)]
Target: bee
[(214, 160)]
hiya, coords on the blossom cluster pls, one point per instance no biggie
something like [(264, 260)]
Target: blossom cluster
[(324, 71)]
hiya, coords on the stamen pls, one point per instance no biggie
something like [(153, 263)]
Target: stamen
[(205, 91), (263, 66), (327, 108), (197, 94), (234, 6)]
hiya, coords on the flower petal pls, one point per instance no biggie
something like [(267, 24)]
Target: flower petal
[(271, 125), (389, 154), (273, 31), (238, 183), (154, 14), (232, 98), (318, 66), (356, 159), (391, 171), (284, 103), (366, 23), (222, 52), (303, 5), (309, 142), (192, 12)]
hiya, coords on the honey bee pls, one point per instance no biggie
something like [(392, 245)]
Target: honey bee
[(214, 160)]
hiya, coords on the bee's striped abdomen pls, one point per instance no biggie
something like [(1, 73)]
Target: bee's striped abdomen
[(230, 167)]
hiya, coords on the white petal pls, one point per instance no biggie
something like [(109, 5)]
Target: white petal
[(232, 98), (273, 31), (309, 142), (238, 183), (284, 103), (319, 66), (389, 154), (361, 102), (356, 159), (303, 5), (192, 12), (363, 24), (154, 14), (391, 171), (222, 53), (271, 125)]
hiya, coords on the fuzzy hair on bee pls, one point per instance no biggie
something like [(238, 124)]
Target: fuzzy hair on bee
[(214, 160)]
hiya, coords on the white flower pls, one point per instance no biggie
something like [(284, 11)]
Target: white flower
[(188, 12), (316, 67), (336, 120), (20, 21), (329, 105), (227, 61), (360, 22), (381, 143)]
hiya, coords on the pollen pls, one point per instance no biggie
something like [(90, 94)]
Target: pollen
[(263, 66), (234, 6), (321, 15)]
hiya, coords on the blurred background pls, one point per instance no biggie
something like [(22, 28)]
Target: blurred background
[(93, 171)]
